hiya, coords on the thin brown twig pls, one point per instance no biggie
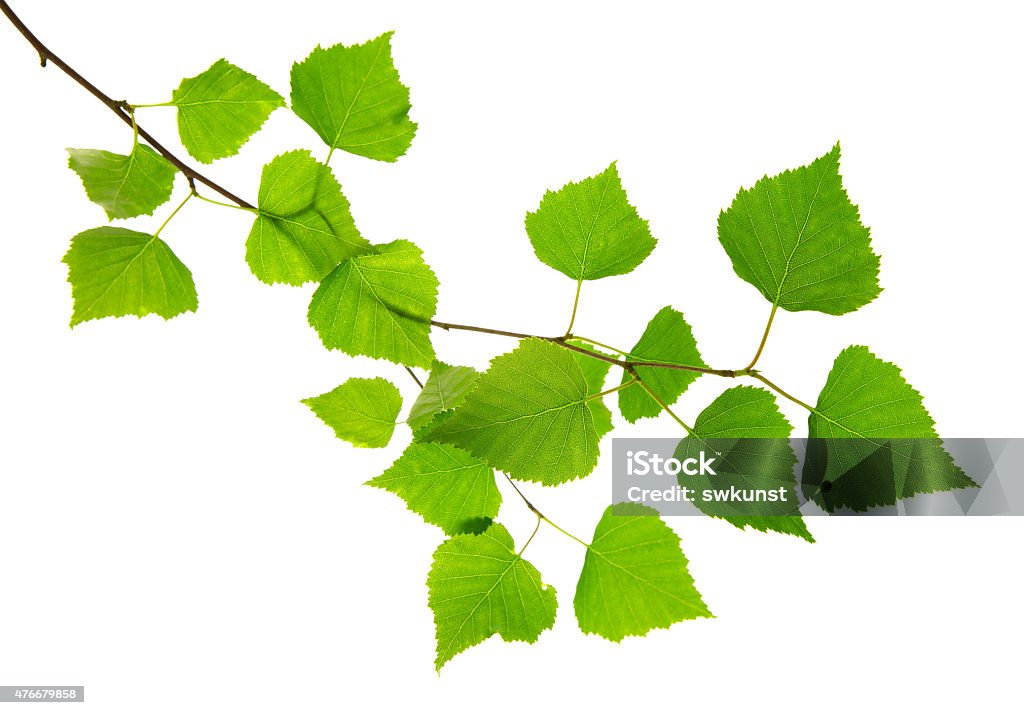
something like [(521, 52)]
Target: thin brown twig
[(119, 107), (413, 375), (563, 342)]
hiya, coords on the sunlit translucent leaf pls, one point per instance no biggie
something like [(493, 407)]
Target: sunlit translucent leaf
[(527, 416), (798, 239), (220, 109), (304, 228), (353, 98), (443, 484), (872, 440), (635, 577), (444, 390), (125, 186), (479, 587), (379, 305), (361, 411), (589, 230), (667, 338), (750, 439), (114, 271)]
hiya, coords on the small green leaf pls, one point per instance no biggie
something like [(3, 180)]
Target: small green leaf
[(444, 390), (114, 271), (527, 416), (219, 109), (589, 230), (595, 372), (353, 98), (751, 438), (125, 186), (360, 410), (443, 484), (635, 577), (798, 239), (872, 442), (304, 228), (479, 587), (379, 305), (667, 338)]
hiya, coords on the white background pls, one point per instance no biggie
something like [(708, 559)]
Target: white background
[(179, 534)]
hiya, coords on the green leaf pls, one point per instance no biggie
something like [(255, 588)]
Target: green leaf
[(114, 271), (744, 426), (125, 186), (872, 442), (527, 416), (595, 372), (360, 410), (602, 417), (667, 338), (635, 577), (589, 230), (443, 484), (445, 388), (220, 109), (379, 305), (304, 228), (797, 238), (479, 586), (353, 98)]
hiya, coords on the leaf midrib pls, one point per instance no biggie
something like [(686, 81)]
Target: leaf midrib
[(355, 99)]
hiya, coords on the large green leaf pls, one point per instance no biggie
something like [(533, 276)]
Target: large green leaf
[(798, 239), (445, 485), (379, 305), (479, 586), (527, 415), (360, 410), (872, 440), (353, 98), (114, 271), (667, 338), (589, 230), (125, 186), (304, 228), (444, 390), (750, 439), (635, 577), (219, 109)]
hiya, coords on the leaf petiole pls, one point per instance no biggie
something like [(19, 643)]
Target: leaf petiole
[(173, 214), (575, 307), (535, 530), (224, 204), (617, 388), (541, 516), (558, 528), (595, 343), (662, 405), (764, 340), (758, 376)]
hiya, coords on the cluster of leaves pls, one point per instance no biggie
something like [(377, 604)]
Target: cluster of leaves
[(538, 413), (303, 230)]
